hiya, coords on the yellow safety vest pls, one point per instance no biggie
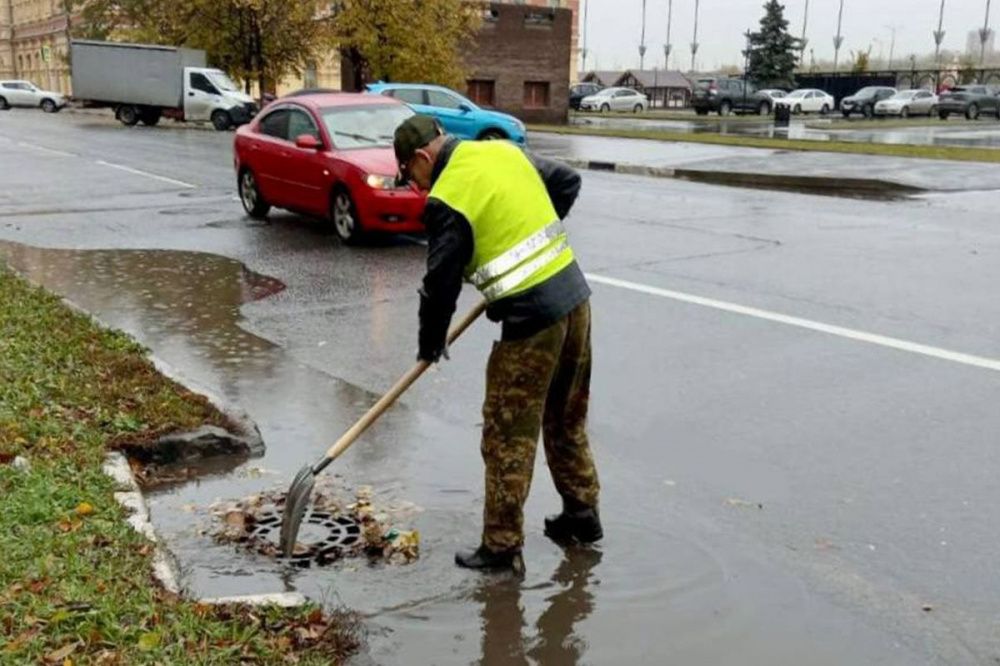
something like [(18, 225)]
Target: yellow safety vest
[(518, 239)]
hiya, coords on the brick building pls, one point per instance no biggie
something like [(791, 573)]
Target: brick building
[(520, 63), (34, 39)]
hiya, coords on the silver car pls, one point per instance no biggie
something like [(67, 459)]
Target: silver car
[(908, 103), (615, 99), (25, 93)]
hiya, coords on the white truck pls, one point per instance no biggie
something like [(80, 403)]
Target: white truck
[(143, 83)]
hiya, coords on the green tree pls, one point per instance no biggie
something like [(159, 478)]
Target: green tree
[(254, 40), (771, 53), (862, 61), (406, 40)]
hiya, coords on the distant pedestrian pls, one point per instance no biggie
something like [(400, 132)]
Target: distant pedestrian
[(493, 217)]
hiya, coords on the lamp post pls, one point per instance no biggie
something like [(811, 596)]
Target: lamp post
[(668, 47), (838, 41), (892, 44), (984, 35), (694, 41), (583, 51), (802, 42), (642, 38), (939, 35)]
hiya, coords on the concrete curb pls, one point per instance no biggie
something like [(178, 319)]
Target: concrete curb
[(856, 187)]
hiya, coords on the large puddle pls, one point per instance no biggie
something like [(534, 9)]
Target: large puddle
[(984, 134), (646, 595)]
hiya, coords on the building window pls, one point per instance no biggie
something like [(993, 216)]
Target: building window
[(536, 94), (482, 92), (309, 78), (539, 20)]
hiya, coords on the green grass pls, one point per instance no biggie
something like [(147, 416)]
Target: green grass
[(75, 580), (889, 150), (687, 116)]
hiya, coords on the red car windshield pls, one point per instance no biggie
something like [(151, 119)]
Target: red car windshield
[(372, 126)]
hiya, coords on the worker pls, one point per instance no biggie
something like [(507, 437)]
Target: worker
[(494, 217)]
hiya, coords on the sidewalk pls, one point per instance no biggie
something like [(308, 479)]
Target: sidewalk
[(932, 175)]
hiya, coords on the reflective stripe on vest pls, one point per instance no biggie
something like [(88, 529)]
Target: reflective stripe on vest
[(518, 241)]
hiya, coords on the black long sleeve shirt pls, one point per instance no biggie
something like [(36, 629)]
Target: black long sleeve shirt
[(449, 250)]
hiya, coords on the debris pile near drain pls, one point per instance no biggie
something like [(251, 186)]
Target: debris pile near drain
[(254, 522)]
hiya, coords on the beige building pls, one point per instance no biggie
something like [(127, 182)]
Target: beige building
[(34, 42)]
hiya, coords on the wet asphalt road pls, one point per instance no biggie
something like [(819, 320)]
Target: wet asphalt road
[(776, 491)]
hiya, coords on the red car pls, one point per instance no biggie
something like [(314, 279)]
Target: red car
[(328, 155)]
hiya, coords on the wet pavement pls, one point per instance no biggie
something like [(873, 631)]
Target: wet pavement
[(985, 133), (933, 175), (772, 495)]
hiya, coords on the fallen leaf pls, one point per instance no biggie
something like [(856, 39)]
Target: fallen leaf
[(84, 509), (734, 501), (60, 655), (70, 525), (149, 641)]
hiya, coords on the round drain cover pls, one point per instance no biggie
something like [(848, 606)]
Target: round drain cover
[(324, 536)]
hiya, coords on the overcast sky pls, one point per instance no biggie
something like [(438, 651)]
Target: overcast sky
[(614, 26)]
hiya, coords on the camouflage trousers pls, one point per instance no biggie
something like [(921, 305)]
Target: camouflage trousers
[(541, 383)]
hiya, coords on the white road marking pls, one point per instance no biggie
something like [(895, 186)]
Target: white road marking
[(840, 331), (43, 149), (137, 172)]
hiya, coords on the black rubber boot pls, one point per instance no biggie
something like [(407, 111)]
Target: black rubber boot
[(484, 559), (583, 525)]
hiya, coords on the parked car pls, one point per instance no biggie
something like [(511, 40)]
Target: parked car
[(581, 90), (26, 93), (908, 103), (807, 100), (331, 156), (970, 101), (458, 115), (725, 96), (864, 101), (615, 99)]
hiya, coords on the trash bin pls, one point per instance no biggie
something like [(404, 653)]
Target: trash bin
[(782, 115)]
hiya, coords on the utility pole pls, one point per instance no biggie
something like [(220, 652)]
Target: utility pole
[(892, 44), (838, 41), (583, 51), (668, 47), (694, 42), (939, 35), (642, 38), (984, 35), (802, 43)]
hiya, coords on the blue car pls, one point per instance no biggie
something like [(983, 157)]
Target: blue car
[(459, 116)]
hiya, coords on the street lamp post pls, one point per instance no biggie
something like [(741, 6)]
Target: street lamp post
[(892, 44), (642, 38), (668, 47), (583, 51), (802, 43), (694, 42), (984, 35), (838, 41), (939, 35)]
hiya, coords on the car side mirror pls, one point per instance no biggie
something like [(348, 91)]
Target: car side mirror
[(464, 108), (308, 142)]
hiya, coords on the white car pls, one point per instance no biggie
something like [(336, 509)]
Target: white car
[(25, 93), (807, 100), (615, 99), (908, 103)]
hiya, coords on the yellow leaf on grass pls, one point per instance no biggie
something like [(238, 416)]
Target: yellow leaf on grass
[(59, 656), (84, 509), (149, 641)]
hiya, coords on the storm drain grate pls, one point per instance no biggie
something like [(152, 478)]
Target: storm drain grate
[(323, 537)]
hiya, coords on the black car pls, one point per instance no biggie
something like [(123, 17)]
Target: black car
[(864, 101), (581, 90), (970, 101), (725, 96)]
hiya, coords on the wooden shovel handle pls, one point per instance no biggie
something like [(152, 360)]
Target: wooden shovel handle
[(398, 389)]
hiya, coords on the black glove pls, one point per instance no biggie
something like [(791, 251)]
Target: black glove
[(433, 336)]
